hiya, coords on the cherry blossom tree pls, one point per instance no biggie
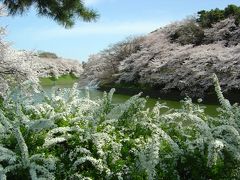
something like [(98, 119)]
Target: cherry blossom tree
[(168, 66), (19, 66), (15, 66)]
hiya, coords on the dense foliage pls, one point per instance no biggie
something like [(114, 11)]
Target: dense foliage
[(66, 136), (188, 33), (173, 61), (102, 67), (207, 18), (47, 55), (194, 31), (65, 12)]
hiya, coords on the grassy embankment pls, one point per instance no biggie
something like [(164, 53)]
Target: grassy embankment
[(62, 80)]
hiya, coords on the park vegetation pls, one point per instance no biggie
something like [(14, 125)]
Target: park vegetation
[(177, 59), (192, 31), (18, 66), (103, 66), (65, 135), (207, 18)]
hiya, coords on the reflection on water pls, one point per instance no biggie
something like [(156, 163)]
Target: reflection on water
[(120, 98)]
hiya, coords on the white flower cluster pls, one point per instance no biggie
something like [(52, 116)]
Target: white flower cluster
[(68, 136)]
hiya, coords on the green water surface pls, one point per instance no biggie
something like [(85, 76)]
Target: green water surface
[(120, 98)]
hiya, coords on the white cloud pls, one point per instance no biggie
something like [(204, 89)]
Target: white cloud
[(123, 28)]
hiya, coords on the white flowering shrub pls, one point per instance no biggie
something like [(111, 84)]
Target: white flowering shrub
[(64, 135)]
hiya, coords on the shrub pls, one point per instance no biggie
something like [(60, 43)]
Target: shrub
[(66, 136), (47, 55)]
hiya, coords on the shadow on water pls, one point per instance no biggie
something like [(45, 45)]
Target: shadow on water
[(120, 98)]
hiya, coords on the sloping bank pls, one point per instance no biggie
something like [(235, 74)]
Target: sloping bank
[(172, 62), (66, 79), (54, 70)]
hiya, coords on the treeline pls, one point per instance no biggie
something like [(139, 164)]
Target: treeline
[(193, 30), (207, 18)]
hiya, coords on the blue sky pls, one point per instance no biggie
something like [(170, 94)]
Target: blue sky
[(118, 20)]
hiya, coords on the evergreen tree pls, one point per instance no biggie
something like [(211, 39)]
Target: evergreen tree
[(207, 18), (65, 12)]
